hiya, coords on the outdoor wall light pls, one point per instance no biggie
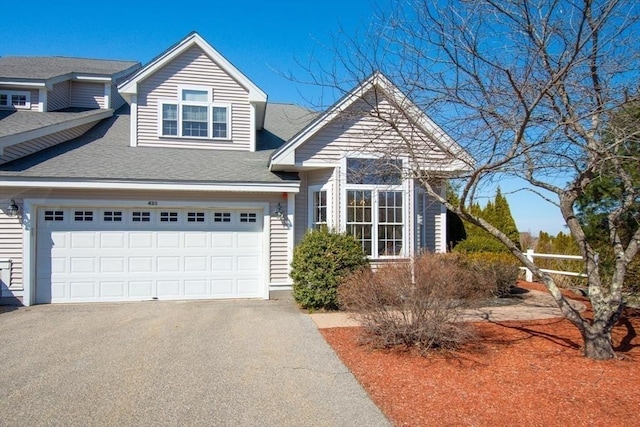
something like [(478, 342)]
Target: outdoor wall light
[(13, 208), (278, 211)]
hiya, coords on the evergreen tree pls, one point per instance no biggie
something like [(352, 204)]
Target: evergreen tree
[(497, 213)]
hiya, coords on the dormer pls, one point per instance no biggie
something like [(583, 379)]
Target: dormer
[(192, 97)]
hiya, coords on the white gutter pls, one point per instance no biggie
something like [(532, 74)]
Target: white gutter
[(289, 187)]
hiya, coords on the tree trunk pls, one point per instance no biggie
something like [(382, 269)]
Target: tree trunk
[(597, 344)]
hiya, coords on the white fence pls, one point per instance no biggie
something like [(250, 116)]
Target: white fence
[(531, 255)]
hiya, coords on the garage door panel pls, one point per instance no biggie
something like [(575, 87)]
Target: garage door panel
[(83, 240), (141, 288), (168, 264), (195, 240), (169, 288), (140, 240), (82, 265), (222, 240), (112, 290), (112, 265), (82, 290), (112, 240), (195, 287), (112, 260), (222, 287), (248, 286), (169, 240), (248, 264), (140, 264)]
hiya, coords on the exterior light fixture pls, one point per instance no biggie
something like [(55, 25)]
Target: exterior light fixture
[(278, 211), (13, 208)]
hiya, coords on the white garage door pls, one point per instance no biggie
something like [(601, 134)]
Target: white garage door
[(86, 254)]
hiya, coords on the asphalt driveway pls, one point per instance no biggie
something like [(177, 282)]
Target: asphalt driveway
[(174, 363)]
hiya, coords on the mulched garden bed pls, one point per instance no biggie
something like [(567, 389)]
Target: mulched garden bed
[(516, 373)]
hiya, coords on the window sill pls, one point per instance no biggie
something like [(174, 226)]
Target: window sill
[(193, 138)]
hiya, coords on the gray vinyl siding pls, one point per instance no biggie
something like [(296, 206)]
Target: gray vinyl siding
[(11, 234), (432, 223), (11, 246), (358, 130), (60, 96), (193, 68), (29, 147), (87, 95), (117, 101)]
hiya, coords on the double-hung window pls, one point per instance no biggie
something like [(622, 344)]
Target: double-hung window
[(319, 207), (194, 115), (375, 205), (15, 99)]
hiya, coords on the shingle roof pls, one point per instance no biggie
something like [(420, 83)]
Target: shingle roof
[(15, 122), (103, 153), (46, 67)]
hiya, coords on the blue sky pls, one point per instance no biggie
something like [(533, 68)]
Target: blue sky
[(264, 39)]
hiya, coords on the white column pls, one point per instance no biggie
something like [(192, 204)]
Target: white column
[(134, 121), (291, 206), (42, 100), (107, 96)]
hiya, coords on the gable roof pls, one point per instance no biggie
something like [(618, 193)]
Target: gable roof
[(130, 86), (41, 71), (285, 155)]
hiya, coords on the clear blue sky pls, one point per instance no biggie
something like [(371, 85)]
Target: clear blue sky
[(264, 39)]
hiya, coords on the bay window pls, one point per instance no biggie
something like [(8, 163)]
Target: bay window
[(375, 205), (194, 115)]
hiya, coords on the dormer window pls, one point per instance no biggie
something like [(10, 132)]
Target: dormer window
[(15, 99), (194, 115)]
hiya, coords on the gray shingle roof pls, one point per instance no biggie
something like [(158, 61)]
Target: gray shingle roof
[(103, 153), (42, 68), (15, 122)]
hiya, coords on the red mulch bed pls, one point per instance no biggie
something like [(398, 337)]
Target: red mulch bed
[(517, 373)]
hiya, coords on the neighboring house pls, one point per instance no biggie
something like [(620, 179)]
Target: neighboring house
[(198, 188)]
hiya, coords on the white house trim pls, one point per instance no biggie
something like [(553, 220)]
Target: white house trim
[(293, 187), (133, 127), (291, 206), (42, 100), (107, 95)]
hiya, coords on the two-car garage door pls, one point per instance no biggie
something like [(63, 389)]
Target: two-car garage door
[(111, 254)]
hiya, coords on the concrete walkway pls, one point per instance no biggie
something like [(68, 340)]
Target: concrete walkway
[(189, 363), (535, 305)]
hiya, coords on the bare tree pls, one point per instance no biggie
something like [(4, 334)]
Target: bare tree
[(527, 87)]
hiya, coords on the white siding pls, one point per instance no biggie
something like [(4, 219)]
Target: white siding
[(29, 147), (193, 68), (87, 95), (11, 246), (11, 235), (60, 96)]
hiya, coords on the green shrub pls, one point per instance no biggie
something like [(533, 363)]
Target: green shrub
[(495, 273), (320, 261)]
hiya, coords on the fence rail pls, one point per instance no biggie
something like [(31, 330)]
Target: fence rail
[(531, 255)]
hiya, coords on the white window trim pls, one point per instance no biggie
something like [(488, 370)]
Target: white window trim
[(9, 93), (310, 205), (210, 104), (375, 188)]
